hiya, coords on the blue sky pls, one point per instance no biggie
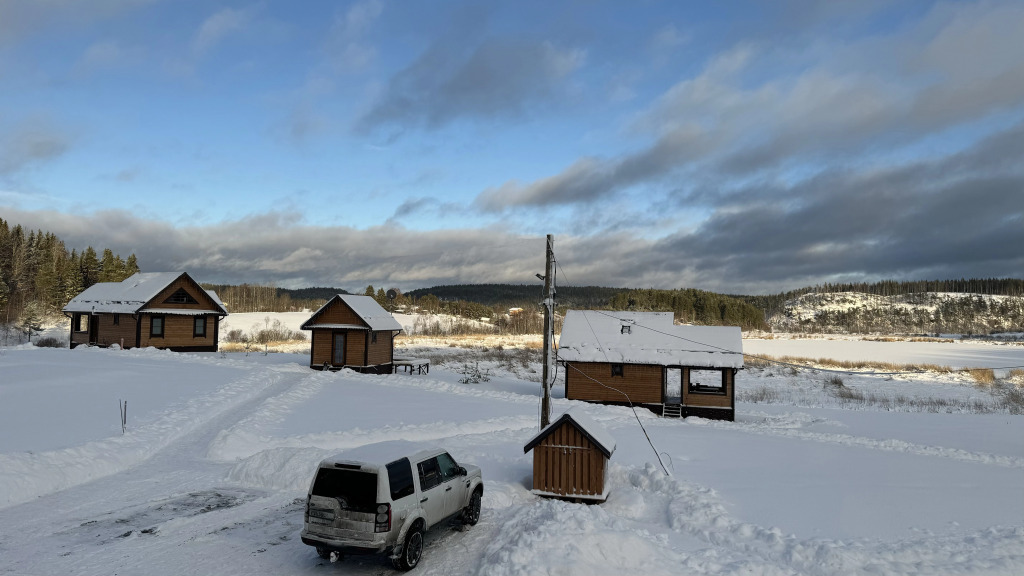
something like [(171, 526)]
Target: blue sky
[(734, 146)]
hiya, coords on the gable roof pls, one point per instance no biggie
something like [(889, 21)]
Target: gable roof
[(375, 316), (593, 431), (132, 294), (651, 338)]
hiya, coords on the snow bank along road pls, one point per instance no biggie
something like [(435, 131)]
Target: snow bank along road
[(210, 477)]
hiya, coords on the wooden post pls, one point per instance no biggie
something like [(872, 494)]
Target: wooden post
[(549, 328)]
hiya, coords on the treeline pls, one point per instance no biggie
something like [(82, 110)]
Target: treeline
[(693, 306), (39, 276), (519, 295), (269, 298)]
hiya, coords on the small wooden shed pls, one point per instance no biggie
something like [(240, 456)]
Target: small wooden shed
[(570, 459), (354, 332)]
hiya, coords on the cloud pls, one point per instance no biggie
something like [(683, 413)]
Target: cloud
[(22, 19), (955, 216), (29, 143), (346, 41), (853, 98), (465, 75), (218, 26)]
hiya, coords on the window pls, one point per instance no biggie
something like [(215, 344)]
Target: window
[(616, 369), (626, 329), (181, 297), (81, 322), (373, 337), (117, 319), (707, 382), (430, 475), (400, 478), (199, 327), (156, 327), (449, 469)]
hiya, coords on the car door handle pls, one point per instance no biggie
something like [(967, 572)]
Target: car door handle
[(424, 500), (448, 489)]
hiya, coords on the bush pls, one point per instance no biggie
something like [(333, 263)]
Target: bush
[(983, 375), (834, 382), (236, 336), (50, 342)]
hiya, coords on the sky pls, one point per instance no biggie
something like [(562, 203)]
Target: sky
[(740, 147)]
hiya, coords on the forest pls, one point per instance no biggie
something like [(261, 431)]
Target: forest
[(38, 275)]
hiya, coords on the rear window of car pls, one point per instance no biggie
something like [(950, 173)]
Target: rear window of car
[(400, 476), (354, 489)]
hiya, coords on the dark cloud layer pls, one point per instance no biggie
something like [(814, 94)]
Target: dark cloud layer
[(957, 216)]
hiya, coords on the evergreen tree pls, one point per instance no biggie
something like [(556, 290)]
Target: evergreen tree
[(370, 291)]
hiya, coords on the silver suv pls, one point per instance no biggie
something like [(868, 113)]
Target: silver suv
[(381, 498)]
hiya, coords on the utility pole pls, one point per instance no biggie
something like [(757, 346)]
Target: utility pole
[(549, 329)]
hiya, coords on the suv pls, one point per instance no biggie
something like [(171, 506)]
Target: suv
[(381, 498)]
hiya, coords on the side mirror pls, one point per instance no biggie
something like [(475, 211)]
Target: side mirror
[(462, 471)]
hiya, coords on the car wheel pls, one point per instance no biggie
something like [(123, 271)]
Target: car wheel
[(412, 550), (471, 514), (323, 552)]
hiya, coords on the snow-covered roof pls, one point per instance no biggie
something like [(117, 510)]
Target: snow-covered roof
[(594, 432), (375, 316), (130, 295), (647, 338)]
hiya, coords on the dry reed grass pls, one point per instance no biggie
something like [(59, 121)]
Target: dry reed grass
[(762, 361), (983, 376)]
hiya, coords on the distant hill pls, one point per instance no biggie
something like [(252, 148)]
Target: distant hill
[(311, 293)]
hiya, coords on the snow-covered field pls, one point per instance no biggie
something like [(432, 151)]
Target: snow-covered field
[(211, 475)]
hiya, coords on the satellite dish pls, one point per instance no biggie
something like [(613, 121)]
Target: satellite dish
[(391, 294)]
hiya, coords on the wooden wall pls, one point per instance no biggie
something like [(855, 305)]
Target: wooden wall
[(383, 351), (359, 351), (566, 462), (205, 302), (123, 334), (339, 313), (320, 349), (178, 332), (642, 382)]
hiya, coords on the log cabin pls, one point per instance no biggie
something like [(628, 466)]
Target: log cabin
[(570, 459), (643, 358), (160, 309), (354, 332)]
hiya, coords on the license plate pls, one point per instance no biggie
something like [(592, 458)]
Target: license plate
[(321, 515)]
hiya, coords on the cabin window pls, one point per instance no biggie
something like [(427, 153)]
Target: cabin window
[(81, 322), (199, 327), (707, 382), (117, 319), (626, 329), (156, 327), (373, 337), (616, 369), (181, 297)]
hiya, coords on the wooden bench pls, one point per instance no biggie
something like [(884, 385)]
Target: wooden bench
[(410, 365)]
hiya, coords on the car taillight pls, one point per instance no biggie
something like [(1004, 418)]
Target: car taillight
[(308, 498), (382, 522)]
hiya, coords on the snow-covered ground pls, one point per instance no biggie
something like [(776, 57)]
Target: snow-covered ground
[(211, 475)]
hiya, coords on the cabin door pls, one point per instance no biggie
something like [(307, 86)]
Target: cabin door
[(339, 349), (94, 329), (673, 385)]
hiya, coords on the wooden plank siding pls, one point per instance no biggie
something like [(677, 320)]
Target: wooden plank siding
[(320, 350), (643, 383), (360, 350), (339, 313), (567, 463), (382, 351), (178, 332), (122, 334), (204, 302)]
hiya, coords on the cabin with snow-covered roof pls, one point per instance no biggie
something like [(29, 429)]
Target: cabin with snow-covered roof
[(616, 357), (354, 332), (160, 309)]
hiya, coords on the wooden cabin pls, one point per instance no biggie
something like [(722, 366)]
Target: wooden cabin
[(160, 309), (615, 357), (352, 332), (570, 459)]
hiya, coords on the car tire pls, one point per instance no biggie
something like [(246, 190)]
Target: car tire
[(471, 513), (323, 552), (412, 549)]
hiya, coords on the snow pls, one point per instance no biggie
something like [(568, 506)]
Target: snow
[(212, 473), (647, 338)]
